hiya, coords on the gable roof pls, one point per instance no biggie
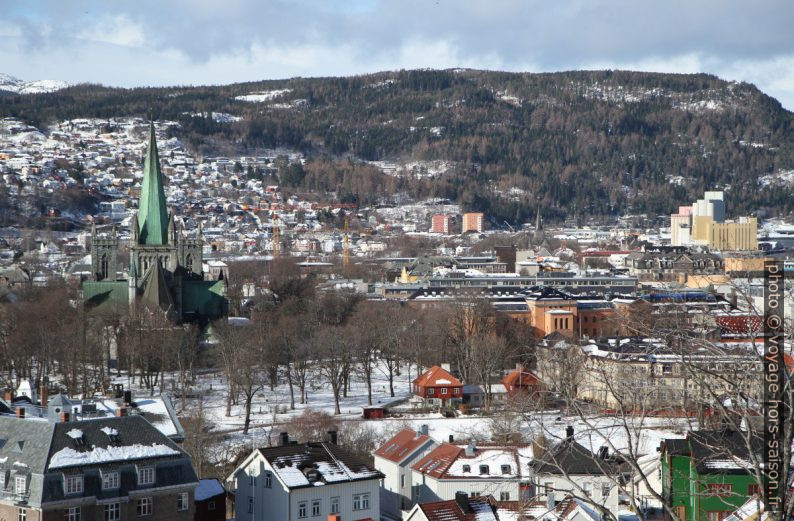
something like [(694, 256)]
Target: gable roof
[(521, 378), (402, 445), (572, 458), (316, 464), (438, 460), (437, 376), (474, 509)]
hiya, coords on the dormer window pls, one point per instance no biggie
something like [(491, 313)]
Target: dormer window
[(466, 468), (20, 485), (505, 469), (484, 469), (146, 476), (73, 484), (110, 480)]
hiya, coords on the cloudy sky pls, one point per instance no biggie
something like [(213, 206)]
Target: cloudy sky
[(180, 42)]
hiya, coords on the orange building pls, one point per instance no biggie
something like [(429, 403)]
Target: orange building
[(553, 311), (442, 223), (472, 222)]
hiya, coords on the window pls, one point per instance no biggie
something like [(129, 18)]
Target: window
[(466, 468), (334, 505), (302, 509), (110, 480), (315, 507), (484, 469), (360, 501), (455, 390), (605, 489), (250, 505), (402, 480), (20, 484), (2, 478), (443, 390), (182, 502), (251, 479), (549, 486), (268, 479), (719, 489), (144, 506), (73, 514), (211, 505), (431, 392), (504, 496), (753, 489), (145, 476), (505, 469), (73, 484), (112, 512), (22, 514)]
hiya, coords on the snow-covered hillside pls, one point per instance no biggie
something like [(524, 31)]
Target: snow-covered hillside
[(12, 84)]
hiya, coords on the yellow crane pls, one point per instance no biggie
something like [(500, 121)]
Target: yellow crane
[(346, 245), (275, 234)]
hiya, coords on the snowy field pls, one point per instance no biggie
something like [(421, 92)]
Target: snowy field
[(270, 409)]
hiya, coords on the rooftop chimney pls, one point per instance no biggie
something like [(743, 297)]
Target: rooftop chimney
[(121, 411), (424, 429), (569, 432), (332, 437), (20, 412), (44, 395), (284, 439), (462, 499), (127, 398), (470, 448), (451, 438), (8, 395), (64, 418)]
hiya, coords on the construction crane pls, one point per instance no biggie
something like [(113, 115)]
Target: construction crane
[(346, 245), (275, 234)]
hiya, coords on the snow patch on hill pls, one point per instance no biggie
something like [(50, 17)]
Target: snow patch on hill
[(9, 83), (263, 95)]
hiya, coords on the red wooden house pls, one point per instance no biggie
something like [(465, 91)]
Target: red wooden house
[(522, 380), (438, 384)]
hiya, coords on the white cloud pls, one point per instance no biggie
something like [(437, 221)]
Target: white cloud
[(116, 30)]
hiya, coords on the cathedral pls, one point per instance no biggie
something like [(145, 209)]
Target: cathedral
[(165, 266)]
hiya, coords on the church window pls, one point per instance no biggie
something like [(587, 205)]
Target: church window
[(189, 262), (103, 266)]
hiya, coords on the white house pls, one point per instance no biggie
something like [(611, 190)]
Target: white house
[(572, 469), (498, 471), (394, 459), (309, 482)]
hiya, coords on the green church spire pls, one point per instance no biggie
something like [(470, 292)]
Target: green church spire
[(152, 211)]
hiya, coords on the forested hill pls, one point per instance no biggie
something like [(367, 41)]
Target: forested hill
[(583, 143)]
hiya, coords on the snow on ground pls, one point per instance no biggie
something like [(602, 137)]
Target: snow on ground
[(263, 95), (270, 409)]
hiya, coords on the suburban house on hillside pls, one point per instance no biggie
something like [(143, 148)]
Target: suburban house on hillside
[(394, 459), (313, 481), (111, 468), (462, 508)]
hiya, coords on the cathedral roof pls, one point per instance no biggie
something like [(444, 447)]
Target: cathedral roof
[(156, 293), (152, 209)]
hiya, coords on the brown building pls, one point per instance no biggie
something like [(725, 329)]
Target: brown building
[(442, 223), (472, 222), (210, 501), (438, 384)]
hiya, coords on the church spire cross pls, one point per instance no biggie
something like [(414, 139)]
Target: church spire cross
[(152, 209)]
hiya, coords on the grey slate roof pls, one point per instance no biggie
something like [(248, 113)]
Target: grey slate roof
[(41, 439)]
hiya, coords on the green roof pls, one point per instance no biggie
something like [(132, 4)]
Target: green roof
[(152, 210), (106, 296)]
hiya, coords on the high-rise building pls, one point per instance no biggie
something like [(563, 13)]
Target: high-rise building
[(704, 223), (472, 222), (442, 223)]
